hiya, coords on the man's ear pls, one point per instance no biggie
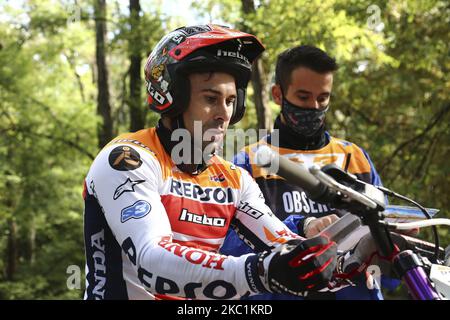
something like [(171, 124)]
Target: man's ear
[(276, 94)]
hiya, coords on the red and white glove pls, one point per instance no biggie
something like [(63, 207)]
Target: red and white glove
[(298, 266)]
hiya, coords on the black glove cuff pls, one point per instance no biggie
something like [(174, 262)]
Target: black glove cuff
[(252, 274)]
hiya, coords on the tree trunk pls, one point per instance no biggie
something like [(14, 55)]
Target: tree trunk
[(105, 128), (12, 248), (71, 60), (261, 97), (260, 93), (137, 112), (31, 241)]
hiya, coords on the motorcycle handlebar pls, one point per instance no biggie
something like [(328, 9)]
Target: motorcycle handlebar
[(294, 173)]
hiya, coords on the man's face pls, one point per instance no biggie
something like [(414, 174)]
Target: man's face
[(307, 89), (211, 102)]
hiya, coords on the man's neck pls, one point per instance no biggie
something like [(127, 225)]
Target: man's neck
[(290, 139), (164, 131), (166, 122)]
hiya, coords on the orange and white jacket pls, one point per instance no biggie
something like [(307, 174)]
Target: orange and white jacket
[(152, 230)]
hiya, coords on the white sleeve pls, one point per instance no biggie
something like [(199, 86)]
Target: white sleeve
[(254, 220), (131, 202)]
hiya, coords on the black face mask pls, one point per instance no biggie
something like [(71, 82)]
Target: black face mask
[(304, 121)]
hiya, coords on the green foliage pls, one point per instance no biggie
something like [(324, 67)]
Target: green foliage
[(48, 123)]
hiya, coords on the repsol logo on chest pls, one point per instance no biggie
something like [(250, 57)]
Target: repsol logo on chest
[(201, 219), (232, 54), (196, 192)]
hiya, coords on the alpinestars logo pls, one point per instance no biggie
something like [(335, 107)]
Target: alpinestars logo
[(232, 54), (201, 219), (127, 186)]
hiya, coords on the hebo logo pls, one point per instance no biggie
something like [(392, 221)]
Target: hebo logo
[(201, 219), (232, 54)]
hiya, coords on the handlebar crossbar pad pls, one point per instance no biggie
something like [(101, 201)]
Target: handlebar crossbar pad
[(341, 228)]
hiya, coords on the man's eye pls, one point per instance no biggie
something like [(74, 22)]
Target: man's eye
[(210, 99), (231, 102), (303, 98), (322, 99)]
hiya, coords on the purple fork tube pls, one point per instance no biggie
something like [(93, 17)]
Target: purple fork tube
[(419, 286), (409, 266)]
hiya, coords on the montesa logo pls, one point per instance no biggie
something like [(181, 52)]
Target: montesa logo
[(201, 219), (232, 54)]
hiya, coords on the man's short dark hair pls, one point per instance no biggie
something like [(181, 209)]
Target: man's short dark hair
[(302, 56)]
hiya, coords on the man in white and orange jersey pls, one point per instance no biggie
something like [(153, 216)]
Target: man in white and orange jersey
[(157, 209), (303, 86)]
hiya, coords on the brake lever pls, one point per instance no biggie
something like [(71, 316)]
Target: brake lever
[(347, 194)]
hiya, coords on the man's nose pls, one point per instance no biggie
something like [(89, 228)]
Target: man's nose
[(316, 104), (224, 111)]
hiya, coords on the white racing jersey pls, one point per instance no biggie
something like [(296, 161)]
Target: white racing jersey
[(152, 231)]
